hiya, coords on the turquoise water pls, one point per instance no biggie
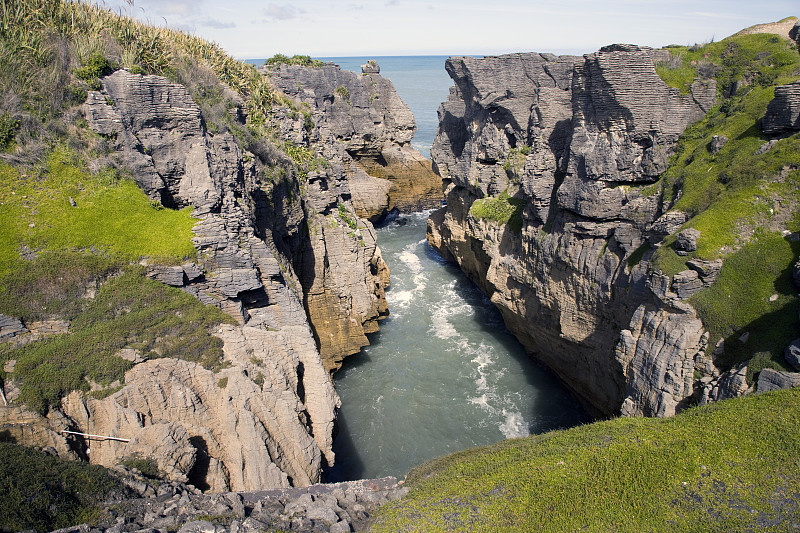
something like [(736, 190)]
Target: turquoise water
[(443, 374)]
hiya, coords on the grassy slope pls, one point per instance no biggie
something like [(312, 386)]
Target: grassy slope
[(732, 466), (51, 252), (739, 200)]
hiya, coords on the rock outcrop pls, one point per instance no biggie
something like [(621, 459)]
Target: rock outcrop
[(373, 126), (783, 112), (281, 249), (573, 140)]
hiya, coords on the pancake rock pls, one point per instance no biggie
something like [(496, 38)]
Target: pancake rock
[(373, 127), (571, 140), (281, 250)]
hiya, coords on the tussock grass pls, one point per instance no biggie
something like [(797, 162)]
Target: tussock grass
[(732, 466)]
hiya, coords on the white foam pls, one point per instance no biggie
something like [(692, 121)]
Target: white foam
[(514, 425), (481, 401), (442, 328), (400, 298), (411, 260)]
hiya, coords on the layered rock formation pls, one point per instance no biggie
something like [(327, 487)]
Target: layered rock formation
[(573, 139), (783, 112), (281, 249), (374, 128)]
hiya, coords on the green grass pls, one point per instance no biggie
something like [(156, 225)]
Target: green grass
[(128, 310), (733, 466), (41, 492), (501, 209), (112, 215), (302, 60), (739, 301), (740, 202), (766, 59)]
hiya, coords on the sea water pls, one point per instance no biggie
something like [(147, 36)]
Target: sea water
[(443, 373)]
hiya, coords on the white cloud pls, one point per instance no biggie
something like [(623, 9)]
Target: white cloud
[(217, 24), (283, 11)]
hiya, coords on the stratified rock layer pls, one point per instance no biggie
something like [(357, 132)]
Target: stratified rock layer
[(287, 257), (783, 112), (374, 127), (573, 138)]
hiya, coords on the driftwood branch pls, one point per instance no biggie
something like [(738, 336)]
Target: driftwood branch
[(95, 437)]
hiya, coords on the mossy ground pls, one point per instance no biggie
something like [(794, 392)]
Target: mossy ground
[(733, 466), (501, 209), (112, 216)]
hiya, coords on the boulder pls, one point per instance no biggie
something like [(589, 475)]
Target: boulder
[(792, 354), (686, 241), (783, 112), (717, 142), (686, 283), (769, 379)]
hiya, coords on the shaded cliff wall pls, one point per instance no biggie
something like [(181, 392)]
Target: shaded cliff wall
[(571, 141)]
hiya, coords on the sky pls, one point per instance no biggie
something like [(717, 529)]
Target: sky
[(251, 29)]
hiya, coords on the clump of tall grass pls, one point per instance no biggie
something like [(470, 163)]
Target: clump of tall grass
[(46, 46)]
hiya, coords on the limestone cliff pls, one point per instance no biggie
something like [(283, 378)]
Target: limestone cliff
[(373, 127), (568, 145), (280, 249)]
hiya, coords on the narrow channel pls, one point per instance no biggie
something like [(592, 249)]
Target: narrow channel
[(442, 374)]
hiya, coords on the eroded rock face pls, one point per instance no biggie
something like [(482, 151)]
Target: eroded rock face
[(783, 112), (246, 426), (574, 139), (365, 116), (288, 258)]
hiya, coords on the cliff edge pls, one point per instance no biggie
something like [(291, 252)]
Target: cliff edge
[(557, 207)]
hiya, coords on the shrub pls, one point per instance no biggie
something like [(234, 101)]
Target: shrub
[(41, 492), (8, 130), (501, 209), (342, 92), (304, 61)]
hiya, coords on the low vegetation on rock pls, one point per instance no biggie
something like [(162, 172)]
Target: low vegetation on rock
[(45, 493), (743, 195)]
